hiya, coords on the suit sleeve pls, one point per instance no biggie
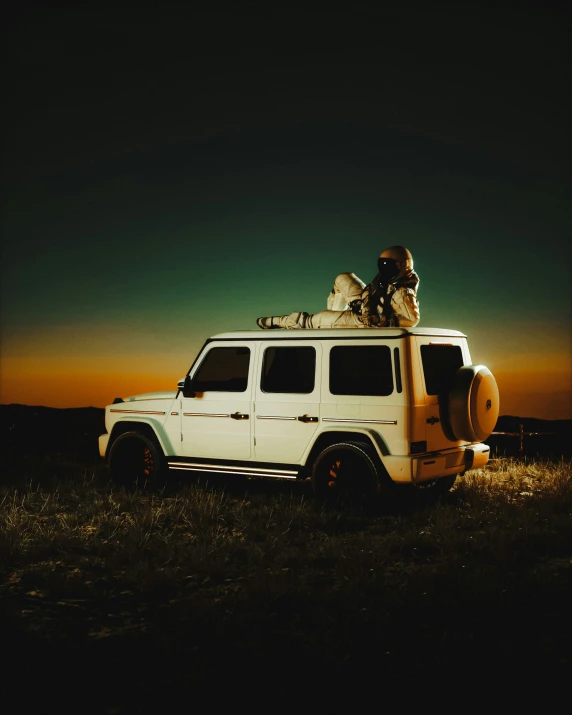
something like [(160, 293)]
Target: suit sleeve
[(406, 307)]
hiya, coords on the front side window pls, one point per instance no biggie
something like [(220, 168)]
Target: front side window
[(361, 370), (289, 369), (223, 370), (440, 363)]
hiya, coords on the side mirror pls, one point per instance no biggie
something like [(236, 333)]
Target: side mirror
[(184, 385)]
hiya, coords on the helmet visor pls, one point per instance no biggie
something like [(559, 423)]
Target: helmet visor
[(387, 268)]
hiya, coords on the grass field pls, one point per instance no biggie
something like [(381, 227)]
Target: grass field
[(252, 592)]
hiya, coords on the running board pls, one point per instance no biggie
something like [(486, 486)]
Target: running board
[(229, 469)]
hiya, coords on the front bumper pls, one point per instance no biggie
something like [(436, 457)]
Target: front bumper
[(103, 441)]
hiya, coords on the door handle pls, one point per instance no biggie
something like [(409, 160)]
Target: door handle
[(307, 418), (239, 416), (432, 420)]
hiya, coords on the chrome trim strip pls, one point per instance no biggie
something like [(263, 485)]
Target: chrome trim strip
[(274, 417), (203, 414), (369, 422), (205, 467), (139, 412), (245, 474)]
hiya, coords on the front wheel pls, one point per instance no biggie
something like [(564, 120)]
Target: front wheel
[(346, 472), (136, 460)]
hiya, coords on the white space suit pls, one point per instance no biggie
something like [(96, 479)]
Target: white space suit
[(389, 300)]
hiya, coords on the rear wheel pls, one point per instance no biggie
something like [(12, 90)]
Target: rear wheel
[(346, 472), (136, 460)]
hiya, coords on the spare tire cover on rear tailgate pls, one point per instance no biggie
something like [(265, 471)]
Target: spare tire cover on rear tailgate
[(473, 403)]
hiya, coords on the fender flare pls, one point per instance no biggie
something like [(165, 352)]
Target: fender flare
[(331, 435), (150, 429)]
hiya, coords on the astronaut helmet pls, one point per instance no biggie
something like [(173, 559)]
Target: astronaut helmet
[(394, 263)]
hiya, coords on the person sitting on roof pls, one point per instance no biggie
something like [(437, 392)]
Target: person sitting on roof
[(390, 300)]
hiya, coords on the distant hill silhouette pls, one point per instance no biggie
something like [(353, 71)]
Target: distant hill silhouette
[(37, 430), (48, 430), (532, 437), (510, 423)]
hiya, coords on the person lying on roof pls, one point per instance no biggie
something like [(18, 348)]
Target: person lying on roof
[(390, 300)]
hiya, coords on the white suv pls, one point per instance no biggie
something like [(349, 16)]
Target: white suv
[(354, 410)]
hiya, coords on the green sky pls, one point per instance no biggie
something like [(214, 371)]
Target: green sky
[(159, 191)]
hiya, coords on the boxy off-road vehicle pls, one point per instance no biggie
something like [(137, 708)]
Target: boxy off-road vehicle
[(353, 410)]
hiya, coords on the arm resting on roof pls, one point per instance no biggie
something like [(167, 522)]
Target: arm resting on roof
[(406, 307)]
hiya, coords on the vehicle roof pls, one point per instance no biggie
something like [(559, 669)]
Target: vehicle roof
[(320, 334)]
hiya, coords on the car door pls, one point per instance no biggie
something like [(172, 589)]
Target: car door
[(216, 422), (365, 389), (287, 399)]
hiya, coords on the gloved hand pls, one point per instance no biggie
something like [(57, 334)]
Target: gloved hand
[(355, 306), (376, 321), (377, 291)]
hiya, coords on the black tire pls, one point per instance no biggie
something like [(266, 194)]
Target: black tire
[(347, 473), (137, 461)]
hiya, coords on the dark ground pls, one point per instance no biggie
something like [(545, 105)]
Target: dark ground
[(189, 663)]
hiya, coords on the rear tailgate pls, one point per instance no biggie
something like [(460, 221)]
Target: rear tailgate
[(439, 359)]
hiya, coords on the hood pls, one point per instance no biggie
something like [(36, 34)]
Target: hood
[(167, 395)]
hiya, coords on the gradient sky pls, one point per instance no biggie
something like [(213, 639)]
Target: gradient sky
[(169, 176)]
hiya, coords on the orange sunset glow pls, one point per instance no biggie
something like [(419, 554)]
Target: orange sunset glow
[(83, 378)]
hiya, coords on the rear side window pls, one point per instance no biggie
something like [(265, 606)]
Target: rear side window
[(361, 370), (440, 363), (289, 369), (223, 370)]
